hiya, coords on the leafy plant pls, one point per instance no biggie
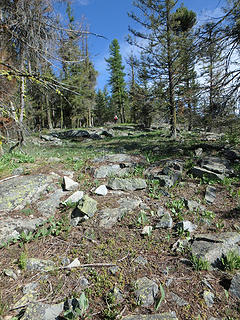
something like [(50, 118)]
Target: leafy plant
[(208, 216), (142, 218), (77, 308), (176, 207), (154, 189), (199, 264), (22, 261), (162, 297), (231, 261)]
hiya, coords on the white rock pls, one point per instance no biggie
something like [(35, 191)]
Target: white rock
[(147, 230), (69, 184), (75, 197), (74, 264), (101, 190)]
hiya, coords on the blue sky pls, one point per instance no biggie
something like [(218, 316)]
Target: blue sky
[(109, 18)]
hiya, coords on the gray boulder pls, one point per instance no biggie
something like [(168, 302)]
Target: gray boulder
[(34, 264), (110, 216), (160, 316), (211, 247), (69, 184), (11, 228), (85, 209), (42, 311), (235, 285), (146, 291), (201, 172), (129, 184), (111, 170), (165, 222), (15, 193), (49, 206), (216, 164), (210, 194)]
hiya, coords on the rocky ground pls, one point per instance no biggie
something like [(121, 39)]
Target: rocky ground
[(118, 223)]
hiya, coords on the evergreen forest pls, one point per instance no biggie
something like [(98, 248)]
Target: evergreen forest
[(180, 72)]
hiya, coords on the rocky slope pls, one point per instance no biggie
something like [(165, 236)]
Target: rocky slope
[(126, 235)]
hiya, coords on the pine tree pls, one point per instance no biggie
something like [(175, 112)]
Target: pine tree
[(102, 113), (183, 22), (116, 80), (160, 46), (211, 55)]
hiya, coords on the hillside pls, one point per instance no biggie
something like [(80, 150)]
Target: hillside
[(121, 223)]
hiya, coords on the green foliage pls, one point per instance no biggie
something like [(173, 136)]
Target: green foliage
[(162, 297), (116, 80), (111, 312), (13, 159), (177, 206), (22, 261), (154, 189), (142, 218), (231, 261), (208, 216), (199, 264), (79, 310), (51, 227)]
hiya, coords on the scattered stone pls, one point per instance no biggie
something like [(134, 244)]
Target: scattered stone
[(18, 171), (54, 159), (193, 205), (10, 273), (215, 164), (111, 170), (86, 209), (235, 286), (109, 217), (140, 260), (102, 190), (160, 316), (211, 247), (49, 206), (178, 300), (74, 264), (165, 222), (208, 297), (42, 311), (146, 291), (186, 226), (147, 230), (74, 198), (83, 283), (201, 172), (34, 264), (210, 194), (207, 284), (69, 184), (129, 184)]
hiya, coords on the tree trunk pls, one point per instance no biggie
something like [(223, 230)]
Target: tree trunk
[(49, 117), (22, 99), (172, 106)]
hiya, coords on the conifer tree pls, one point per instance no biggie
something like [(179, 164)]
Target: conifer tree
[(159, 46), (116, 81)]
